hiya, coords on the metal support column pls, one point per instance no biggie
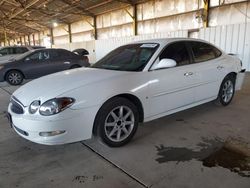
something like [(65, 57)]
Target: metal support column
[(135, 20), (95, 28), (34, 41), (51, 36), (70, 33), (206, 13), (29, 39)]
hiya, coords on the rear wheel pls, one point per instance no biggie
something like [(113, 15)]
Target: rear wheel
[(227, 90), (14, 77), (117, 122)]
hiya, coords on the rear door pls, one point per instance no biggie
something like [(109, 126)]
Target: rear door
[(20, 50), (60, 60), (209, 69), (172, 88)]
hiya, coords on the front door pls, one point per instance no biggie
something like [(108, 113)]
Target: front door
[(37, 64), (172, 88)]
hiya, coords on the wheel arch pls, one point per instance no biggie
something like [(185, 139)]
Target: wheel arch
[(13, 70), (232, 75), (134, 99)]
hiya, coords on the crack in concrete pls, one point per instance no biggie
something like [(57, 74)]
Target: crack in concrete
[(116, 166), (6, 91)]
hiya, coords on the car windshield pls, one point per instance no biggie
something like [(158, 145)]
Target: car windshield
[(132, 57), (21, 56)]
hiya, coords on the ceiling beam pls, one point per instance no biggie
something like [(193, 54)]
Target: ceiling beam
[(56, 11), (130, 2), (76, 5), (98, 5), (21, 25), (23, 9)]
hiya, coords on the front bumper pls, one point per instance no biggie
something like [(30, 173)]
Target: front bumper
[(240, 79), (76, 127)]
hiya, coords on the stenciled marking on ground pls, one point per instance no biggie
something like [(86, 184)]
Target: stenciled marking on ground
[(83, 179), (213, 152)]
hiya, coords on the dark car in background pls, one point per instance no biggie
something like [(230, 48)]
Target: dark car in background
[(37, 63)]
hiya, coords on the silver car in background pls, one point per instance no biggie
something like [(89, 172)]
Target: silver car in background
[(10, 52)]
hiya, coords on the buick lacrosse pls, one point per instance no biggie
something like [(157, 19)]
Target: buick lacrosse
[(134, 83)]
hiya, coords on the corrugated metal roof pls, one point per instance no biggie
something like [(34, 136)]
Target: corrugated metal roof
[(22, 17)]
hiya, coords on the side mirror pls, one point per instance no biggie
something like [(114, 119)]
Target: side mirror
[(165, 63)]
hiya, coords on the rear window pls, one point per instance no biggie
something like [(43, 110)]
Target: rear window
[(204, 52), (66, 54), (21, 50)]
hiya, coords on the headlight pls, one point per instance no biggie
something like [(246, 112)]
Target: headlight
[(34, 106), (55, 106), (1, 67)]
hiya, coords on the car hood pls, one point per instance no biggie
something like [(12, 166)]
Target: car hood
[(6, 62), (7, 59), (53, 85)]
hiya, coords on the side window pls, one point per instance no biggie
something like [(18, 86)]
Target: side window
[(67, 54), (39, 56), (178, 52), (54, 55), (204, 52), (21, 50), (11, 51), (4, 51)]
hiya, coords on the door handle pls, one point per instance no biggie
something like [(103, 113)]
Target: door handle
[(220, 67), (67, 62), (188, 74)]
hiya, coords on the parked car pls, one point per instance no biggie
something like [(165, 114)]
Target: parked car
[(7, 53), (134, 83), (83, 53), (37, 63)]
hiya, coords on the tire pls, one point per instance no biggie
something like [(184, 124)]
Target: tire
[(75, 66), (227, 90), (117, 122), (14, 77)]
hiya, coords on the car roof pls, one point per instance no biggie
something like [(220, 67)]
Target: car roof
[(49, 49), (164, 41)]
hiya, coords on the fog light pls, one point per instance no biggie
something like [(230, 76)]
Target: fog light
[(52, 133)]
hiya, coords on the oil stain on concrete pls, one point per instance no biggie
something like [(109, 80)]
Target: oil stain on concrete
[(214, 152)]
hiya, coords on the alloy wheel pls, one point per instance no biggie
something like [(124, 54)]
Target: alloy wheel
[(14, 78), (227, 91), (119, 123)]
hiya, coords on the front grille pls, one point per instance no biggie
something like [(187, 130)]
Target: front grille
[(16, 106)]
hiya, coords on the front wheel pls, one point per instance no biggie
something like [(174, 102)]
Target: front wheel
[(117, 121), (14, 77), (227, 90)]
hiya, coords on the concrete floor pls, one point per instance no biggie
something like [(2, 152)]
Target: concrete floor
[(167, 152)]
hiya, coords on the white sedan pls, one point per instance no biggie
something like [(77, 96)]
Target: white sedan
[(134, 83)]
